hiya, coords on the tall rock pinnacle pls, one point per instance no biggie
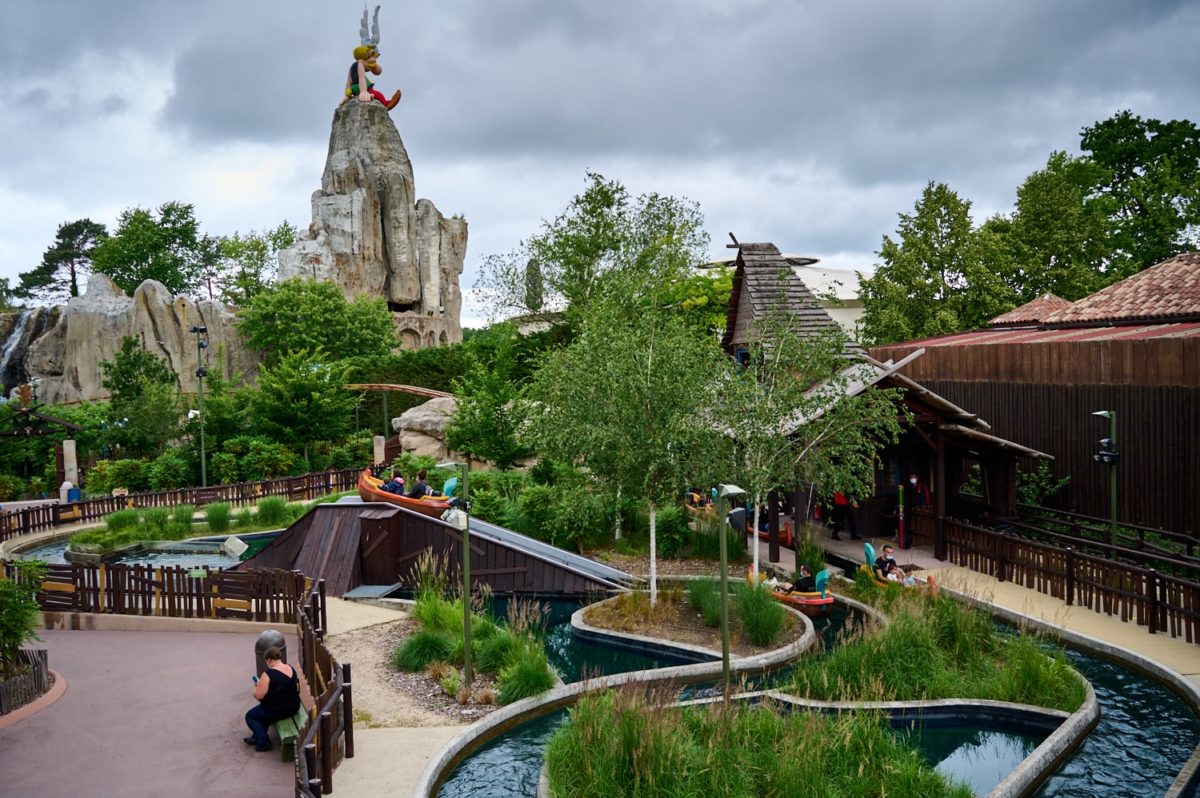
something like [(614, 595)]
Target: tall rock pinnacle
[(370, 235)]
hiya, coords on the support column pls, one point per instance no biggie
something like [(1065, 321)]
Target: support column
[(773, 526), (70, 462), (939, 498), (380, 449)]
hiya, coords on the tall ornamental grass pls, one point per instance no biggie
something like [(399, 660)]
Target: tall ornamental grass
[(272, 511), (217, 516), (762, 617), (705, 597), (633, 744)]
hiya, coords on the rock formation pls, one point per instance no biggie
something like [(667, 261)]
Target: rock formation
[(422, 429), (370, 235), (65, 360)]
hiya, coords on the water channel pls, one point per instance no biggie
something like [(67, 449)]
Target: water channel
[(1145, 735)]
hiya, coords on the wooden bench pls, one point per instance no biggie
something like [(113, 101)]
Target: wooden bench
[(288, 730)]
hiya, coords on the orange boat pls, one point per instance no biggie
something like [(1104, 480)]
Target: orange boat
[(816, 604), (369, 491)]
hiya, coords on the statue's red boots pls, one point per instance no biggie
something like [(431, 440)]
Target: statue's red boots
[(390, 104)]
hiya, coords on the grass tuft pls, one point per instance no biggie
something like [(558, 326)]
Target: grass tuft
[(422, 648)]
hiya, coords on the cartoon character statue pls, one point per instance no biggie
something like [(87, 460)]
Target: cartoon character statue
[(365, 60)]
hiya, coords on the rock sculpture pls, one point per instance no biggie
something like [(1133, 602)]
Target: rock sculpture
[(422, 429), (65, 361), (370, 235)]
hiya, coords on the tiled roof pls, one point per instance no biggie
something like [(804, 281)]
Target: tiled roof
[(1032, 312), (1039, 335), (768, 277), (1168, 290)]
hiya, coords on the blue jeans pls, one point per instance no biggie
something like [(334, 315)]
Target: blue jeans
[(258, 721)]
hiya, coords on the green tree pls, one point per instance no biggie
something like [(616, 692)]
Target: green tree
[(932, 280), (19, 611), (1152, 179), (302, 399), (305, 315), (247, 262), (602, 231), (626, 399), (144, 411), (65, 261), (486, 415), (166, 247)]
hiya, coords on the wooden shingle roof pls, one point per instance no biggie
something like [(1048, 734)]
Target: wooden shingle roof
[(766, 277)]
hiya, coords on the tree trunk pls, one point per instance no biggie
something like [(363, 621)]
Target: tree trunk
[(617, 524), (754, 533), (653, 557)]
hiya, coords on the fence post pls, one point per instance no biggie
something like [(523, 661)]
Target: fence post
[(324, 616), (347, 711), (1152, 599), (1070, 568), (326, 721), (310, 762), (1001, 559)]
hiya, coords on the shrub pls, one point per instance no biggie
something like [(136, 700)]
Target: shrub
[(183, 514), (538, 505), (496, 651), (422, 648), (131, 474), (341, 458), (245, 518), (156, 518), (527, 673), (266, 460), (121, 519), (582, 517), (223, 467), (671, 530), (272, 511), (705, 597), (98, 478), (217, 516), (169, 471), (12, 487), (706, 545), (762, 616), (450, 684), (19, 611)]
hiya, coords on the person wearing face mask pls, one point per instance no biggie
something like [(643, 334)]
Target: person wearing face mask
[(916, 490), (886, 569)]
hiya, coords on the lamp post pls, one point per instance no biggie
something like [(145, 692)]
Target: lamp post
[(466, 566), (201, 372), (726, 492), (1109, 455)]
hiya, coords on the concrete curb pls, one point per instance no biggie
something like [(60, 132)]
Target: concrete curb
[(514, 714), (1188, 778), (38, 704)]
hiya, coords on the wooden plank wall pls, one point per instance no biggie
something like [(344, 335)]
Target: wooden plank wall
[(1158, 435)]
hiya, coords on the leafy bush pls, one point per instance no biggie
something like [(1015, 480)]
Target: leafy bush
[(762, 616), (183, 514), (341, 458), (538, 505), (12, 487), (266, 460), (582, 517), (19, 611), (671, 530), (272, 511), (705, 597), (217, 516), (450, 684), (131, 474), (169, 471), (156, 518), (121, 519), (223, 468), (422, 648), (527, 673)]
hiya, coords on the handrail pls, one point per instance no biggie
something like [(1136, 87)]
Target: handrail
[(1114, 550), (1101, 525)]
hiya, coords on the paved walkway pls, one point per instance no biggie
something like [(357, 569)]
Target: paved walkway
[(144, 714), (1174, 653)]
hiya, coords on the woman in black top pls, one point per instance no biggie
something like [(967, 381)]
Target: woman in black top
[(278, 692)]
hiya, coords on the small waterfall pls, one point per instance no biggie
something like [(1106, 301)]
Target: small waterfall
[(10, 362)]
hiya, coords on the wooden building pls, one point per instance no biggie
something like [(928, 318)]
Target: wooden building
[(1039, 373), (943, 439)]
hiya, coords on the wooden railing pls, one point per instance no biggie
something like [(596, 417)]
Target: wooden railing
[(1099, 529), (1161, 602), (329, 734), (265, 596), (30, 684), (301, 488)]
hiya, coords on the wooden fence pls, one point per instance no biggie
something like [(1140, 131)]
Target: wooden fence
[(1162, 602), (265, 596), (22, 689), (301, 488)]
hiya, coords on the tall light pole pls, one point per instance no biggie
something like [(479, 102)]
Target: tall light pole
[(1109, 455), (466, 565), (726, 492), (201, 372)]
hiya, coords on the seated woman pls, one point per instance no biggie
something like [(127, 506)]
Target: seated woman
[(278, 692)]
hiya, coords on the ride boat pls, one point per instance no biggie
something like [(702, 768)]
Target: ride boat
[(814, 604), (370, 489), (926, 585)]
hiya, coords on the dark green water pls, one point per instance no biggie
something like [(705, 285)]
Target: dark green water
[(1144, 737), (54, 554)]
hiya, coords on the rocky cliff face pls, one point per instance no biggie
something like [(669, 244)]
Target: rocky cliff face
[(370, 235), (65, 359)]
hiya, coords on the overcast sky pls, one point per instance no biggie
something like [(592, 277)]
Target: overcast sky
[(809, 124)]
